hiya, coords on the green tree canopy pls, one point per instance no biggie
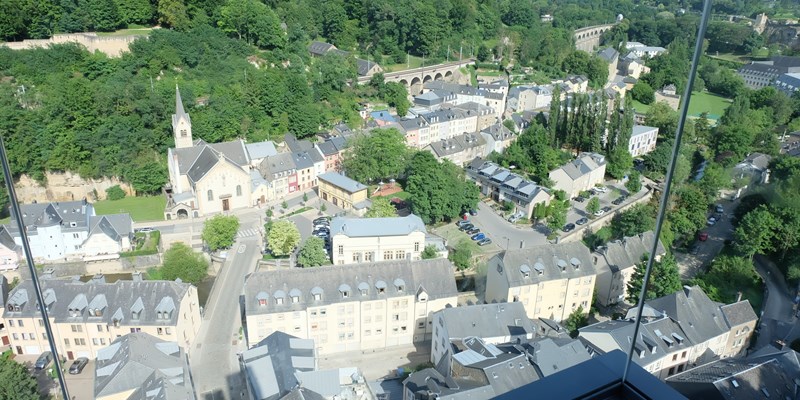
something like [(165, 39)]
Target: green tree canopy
[(755, 232), (634, 183), (283, 237), (219, 232), (429, 252), (16, 382), (577, 319), (381, 208), (593, 205), (438, 191), (633, 221), (313, 254), (664, 279), (381, 155), (461, 255), (181, 262), (643, 93)]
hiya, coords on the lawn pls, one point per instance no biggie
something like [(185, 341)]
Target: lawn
[(713, 104), (145, 208), (132, 30), (413, 62), (453, 236)]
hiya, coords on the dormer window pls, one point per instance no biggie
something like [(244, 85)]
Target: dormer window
[(262, 298), (381, 287), (399, 284), (344, 289), (137, 308), (279, 296), (262, 302), (525, 270), (294, 295), (135, 314), (363, 287), (73, 224)]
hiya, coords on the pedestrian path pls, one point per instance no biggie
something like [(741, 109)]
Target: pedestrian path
[(247, 233)]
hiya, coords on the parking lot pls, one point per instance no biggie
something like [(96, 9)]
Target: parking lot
[(614, 191)]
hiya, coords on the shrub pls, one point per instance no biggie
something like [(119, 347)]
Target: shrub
[(115, 193)]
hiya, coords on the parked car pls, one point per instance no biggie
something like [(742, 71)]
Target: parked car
[(703, 236), (619, 200), (321, 234), (478, 236), (568, 227), (473, 212), (695, 249), (600, 189), (606, 209), (719, 209), (78, 365), (462, 222), (599, 212), (144, 230), (466, 227), (43, 361), (473, 231), (484, 242), (711, 221), (516, 217), (579, 199), (582, 221)]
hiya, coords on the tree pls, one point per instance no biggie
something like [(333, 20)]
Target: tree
[(461, 255), (576, 320), (429, 252), (104, 14), (593, 205), (664, 279), (181, 262), (633, 221), (634, 183), (643, 93), (557, 214), (219, 232), (383, 154), (438, 191), (756, 232), (115, 193), (483, 53), (283, 237), (16, 382), (395, 95), (313, 253), (381, 208), (172, 13)]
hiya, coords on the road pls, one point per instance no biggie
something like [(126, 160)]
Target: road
[(777, 321), (214, 361), (502, 232), (690, 264)]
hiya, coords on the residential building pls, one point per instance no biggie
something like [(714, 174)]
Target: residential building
[(573, 84), (678, 332), (551, 280), (86, 317), (283, 366), (319, 49), (332, 149), (257, 152), (492, 95), (498, 137), (788, 83), (492, 323), (611, 57), (281, 173), (754, 377), (207, 178), (615, 263), (486, 116), (377, 239), (581, 174), (69, 230), (529, 97), (356, 307), (459, 149), (759, 74), (304, 152), (668, 94), (502, 185), (4, 338), (642, 50), (632, 66), (382, 118), (10, 251), (141, 366), (341, 191), (430, 384), (754, 168), (643, 140)]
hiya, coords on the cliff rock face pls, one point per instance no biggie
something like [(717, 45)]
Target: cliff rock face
[(66, 186)]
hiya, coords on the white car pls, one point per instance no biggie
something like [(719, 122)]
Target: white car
[(711, 221), (599, 212), (601, 189)]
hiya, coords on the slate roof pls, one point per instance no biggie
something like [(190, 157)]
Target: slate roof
[(486, 321), (738, 313), (179, 111), (256, 151), (498, 132), (6, 239), (332, 145), (341, 181), (512, 184), (115, 226), (197, 160), (734, 379), (363, 66), (303, 160), (628, 252), (551, 355), (271, 364), (507, 372), (122, 298), (320, 48), (657, 337), (368, 227), (757, 161), (641, 130), (446, 388), (544, 263), (150, 368), (457, 144), (583, 165), (274, 166), (435, 277)]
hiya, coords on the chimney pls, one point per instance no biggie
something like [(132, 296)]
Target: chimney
[(738, 296), (137, 276)]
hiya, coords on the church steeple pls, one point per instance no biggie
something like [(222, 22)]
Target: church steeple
[(181, 123)]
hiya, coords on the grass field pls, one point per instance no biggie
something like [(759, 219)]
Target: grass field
[(413, 62), (132, 30), (701, 102), (147, 208)]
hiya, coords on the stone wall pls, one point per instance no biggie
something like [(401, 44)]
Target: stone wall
[(66, 186), (113, 46)]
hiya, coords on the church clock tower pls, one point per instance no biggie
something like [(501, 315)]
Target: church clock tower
[(181, 123)]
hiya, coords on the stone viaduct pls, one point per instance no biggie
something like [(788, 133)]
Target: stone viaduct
[(588, 38), (414, 78)]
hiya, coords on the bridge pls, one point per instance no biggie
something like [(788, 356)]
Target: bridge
[(588, 38), (414, 78)]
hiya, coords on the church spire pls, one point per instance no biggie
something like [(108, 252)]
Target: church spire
[(181, 123), (178, 102)]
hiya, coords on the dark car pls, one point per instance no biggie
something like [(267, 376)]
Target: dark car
[(43, 361), (579, 199), (322, 219), (78, 365), (478, 236), (484, 242), (473, 212), (619, 200), (473, 231), (606, 208), (568, 227), (466, 227), (582, 221)]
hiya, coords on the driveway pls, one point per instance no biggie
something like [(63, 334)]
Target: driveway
[(689, 264), (578, 209), (81, 386), (504, 233)]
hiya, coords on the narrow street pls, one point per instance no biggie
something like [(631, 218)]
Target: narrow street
[(777, 321), (213, 357)]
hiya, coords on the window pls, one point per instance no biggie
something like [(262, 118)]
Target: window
[(134, 330), (683, 355), (103, 341), (16, 337), (675, 357), (341, 250), (76, 328), (356, 257), (416, 246), (238, 190), (400, 255), (66, 341), (75, 236), (368, 256), (183, 132), (83, 341), (11, 322), (262, 302), (210, 195), (388, 255), (19, 322), (95, 342), (160, 331)]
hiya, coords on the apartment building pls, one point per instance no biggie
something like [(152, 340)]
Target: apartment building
[(342, 191), (583, 173), (615, 263), (332, 150), (377, 239), (529, 97), (498, 137), (788, 83), (138, 366), (502, 185), (10, 251), (550, 280), (365, 306), (281, 173), (678, 331), (486, 116), (643, 140), (643, 50), (87, 317), (460, 149), (759, 74)]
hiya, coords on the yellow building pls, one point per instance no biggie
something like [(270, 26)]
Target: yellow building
[(86, 317), (551, 281), (377, 239), (355, 307), (341, 191)]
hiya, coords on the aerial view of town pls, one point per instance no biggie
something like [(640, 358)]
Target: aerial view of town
[(399, 199)]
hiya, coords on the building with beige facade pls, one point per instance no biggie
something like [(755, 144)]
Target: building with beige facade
[(341, 191), (377, 239), (356, 307), (460, 149), (501, 185), (583, 173), (643, 140), (87, 317), (615, 263), (550, 280), (678, 331)]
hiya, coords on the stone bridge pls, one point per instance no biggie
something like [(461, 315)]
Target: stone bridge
[(414, 78), (588, 38)]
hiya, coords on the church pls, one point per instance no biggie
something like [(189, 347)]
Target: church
[(211, 178)]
